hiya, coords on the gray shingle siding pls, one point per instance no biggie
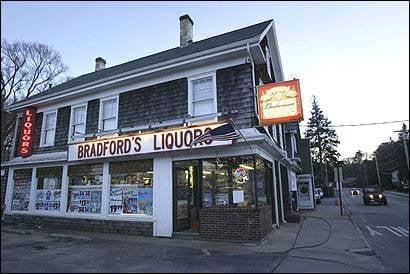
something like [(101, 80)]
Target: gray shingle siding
[(61, 135), (235, 93), (93, 110), (162, 102)]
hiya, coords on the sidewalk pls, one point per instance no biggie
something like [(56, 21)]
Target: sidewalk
[(402, 194), (327, 242), (324, 242)]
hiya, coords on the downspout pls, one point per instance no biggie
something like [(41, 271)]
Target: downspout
[(280, 189), (13, 148), (253, 80)]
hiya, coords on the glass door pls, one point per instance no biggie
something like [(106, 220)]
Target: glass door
[(186, 196)]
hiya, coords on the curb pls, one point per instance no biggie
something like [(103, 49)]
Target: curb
[(67, 237), (397, 194), (358, 229), (15, 231)]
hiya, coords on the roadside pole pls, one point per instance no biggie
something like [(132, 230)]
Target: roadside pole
[(338, 179), (377, 168)]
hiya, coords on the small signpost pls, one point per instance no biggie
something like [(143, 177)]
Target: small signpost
[(339, 178)]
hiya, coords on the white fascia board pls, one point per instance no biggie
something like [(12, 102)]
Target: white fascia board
[(266, 31), (142, 71)]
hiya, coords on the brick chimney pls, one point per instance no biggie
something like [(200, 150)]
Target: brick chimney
[(186, 30), (99, 63)]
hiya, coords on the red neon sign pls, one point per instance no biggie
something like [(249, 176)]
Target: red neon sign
[(27, 132)]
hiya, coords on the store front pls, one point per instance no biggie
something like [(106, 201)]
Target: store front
[(237, 186), (217, 193)]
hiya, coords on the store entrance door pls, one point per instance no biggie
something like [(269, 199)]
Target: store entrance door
[(186, 196)]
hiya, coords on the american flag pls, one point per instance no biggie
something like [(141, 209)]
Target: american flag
[(221, 133)]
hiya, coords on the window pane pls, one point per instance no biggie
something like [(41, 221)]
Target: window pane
[(242, 179), (21, 189), (49, 136), (78, 129), (203, 95), (84, 189), (109, 124), (222, 182), (203, 107), (50, 120), (109, 108), (208, 181), (261, 181), (79, 115), (202, 84), (48, 188), (131, 187)]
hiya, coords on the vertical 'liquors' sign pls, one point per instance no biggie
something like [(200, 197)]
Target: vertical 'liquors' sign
[(27, 132)]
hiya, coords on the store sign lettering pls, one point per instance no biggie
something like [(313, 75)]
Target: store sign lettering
[(27, 132), (142, 143)]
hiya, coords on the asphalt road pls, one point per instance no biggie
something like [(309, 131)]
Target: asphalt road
[(386, 228)]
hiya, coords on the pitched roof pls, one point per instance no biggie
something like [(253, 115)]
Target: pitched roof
[(209, 43)]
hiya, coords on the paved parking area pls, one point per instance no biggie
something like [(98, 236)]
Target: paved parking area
[(38, 252)]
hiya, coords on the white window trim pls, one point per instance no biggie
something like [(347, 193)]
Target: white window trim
[(43, 128), (78, 139), (211, 116), (117, 97)]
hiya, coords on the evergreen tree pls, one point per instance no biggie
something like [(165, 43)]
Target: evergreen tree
[(323, 142)]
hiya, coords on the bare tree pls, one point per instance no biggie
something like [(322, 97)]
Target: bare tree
[(27, 68)]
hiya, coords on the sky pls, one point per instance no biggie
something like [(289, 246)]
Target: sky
[(353, 56)]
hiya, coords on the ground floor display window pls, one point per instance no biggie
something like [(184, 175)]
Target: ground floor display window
[(21, 189), (243, 178), (85, 188), (240, 181), (131, 187), (48, 193)]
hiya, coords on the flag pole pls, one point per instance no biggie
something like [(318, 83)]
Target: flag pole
[(236, 127)]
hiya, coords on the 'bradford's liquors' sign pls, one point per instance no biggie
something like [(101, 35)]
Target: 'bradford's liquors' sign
[(142, 143)]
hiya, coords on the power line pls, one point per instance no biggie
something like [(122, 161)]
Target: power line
[(364, 124)]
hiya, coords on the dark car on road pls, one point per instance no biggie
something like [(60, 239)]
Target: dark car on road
[(374, 194)]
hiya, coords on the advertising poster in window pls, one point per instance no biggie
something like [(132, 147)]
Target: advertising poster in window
[(95, 203), (48, 199), (21, 194), (280, 103), (116, 200), (130, 200), (145, 201)]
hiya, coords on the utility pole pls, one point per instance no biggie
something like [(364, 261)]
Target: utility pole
[(377, 168), (405, 145)]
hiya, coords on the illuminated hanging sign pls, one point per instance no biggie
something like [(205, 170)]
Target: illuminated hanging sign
[(27, 132), (142, 143), (280, 103)]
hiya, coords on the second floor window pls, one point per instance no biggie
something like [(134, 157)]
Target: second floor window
[(202, 96), (78, 118), (49, 129), (109, 110)]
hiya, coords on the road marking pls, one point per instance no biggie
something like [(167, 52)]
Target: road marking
[(389, 229), (373, 232), (403, 231)]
